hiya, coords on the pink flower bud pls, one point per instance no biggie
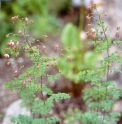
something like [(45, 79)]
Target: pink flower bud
[(92, 35), (11, 43), (16, 74), (26, 20), (55, 64), (93, 30), (14, 19), (44, 50), (55, 48), (6, 57), (14, 48), (23, 84)]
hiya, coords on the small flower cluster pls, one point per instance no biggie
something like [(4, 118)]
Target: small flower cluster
[(27, 21), (6, 57), (13, 46), (14, 19), (92, 33)]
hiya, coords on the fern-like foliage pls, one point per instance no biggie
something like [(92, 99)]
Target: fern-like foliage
[(23, 119), (102, 94), (30, 85)]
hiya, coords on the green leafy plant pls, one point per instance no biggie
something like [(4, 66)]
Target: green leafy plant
[(102, 94), (76, 57), (31, 85), (71, 116)]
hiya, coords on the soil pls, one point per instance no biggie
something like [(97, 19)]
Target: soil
[(6, 75)]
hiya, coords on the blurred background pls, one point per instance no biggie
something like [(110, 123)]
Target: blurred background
[(65, 24)]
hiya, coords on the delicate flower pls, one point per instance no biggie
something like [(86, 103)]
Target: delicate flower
[(26, 20), (11, 44), (93, 30), (55, 64), (16, 74), (44, 50), (23, 84), (92, 35), (13, 48), (55, 48), (14, 18), (6, 57)]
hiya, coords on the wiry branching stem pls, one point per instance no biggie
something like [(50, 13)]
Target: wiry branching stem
[(107, 77)]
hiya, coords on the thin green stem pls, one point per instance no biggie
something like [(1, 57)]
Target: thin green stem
[(107, 78)]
